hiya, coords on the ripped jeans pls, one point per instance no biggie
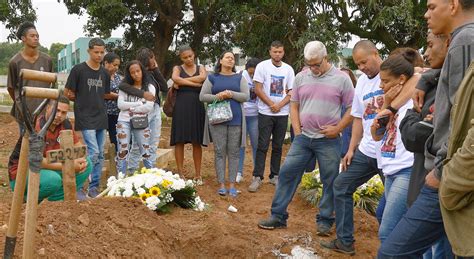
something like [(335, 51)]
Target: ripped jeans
[(142, 136)]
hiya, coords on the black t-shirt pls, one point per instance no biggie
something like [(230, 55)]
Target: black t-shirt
[(90, 86)]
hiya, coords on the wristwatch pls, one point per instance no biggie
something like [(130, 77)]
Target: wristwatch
[(393, 110)]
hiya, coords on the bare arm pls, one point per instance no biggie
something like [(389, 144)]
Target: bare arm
[(295, 117), (261, 95), (405, 94), (199, 78), (357, 133), (183, 81)]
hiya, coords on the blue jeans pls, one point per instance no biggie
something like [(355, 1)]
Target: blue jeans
[(95, 140), (303, 149), (252, 131), (361, 169), (396, 190), (441, 249), (142, 138), (420, 228), (155, 132)]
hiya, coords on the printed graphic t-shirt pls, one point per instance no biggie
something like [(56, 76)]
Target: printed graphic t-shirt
[(250, 107), (391, 153), (90, 86), (367, 102), (276, 82)]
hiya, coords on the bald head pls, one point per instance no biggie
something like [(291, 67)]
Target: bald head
[(366, 57), (365, 45)]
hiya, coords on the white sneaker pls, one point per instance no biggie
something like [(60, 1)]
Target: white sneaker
[(256, 182), (239, 178), (274, 180)]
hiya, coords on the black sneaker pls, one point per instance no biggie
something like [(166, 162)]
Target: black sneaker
[(271, 223), (338, 246), (323, 230)]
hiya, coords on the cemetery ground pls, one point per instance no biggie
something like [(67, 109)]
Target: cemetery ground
[(119, 227)]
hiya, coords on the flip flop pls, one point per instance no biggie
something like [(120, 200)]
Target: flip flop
[(222, 191)]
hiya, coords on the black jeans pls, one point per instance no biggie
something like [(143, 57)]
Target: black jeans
[(275, 127), (112, 121)]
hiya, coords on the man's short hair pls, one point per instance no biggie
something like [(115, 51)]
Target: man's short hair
[(23, 28), (276, 44), (467, 4), (366, 45), (314, 50), (96, 42)]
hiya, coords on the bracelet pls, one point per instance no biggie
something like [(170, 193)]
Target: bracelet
[(393, 110)]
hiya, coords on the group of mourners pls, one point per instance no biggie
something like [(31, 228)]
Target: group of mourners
[(406, 119)]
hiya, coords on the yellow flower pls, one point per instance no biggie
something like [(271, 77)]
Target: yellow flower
[(144, 196), (166, 183), (143, 170), (155, 191)]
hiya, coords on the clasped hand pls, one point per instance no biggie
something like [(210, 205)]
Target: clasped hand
[(224, 95)]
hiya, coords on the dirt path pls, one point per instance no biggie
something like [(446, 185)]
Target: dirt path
[(123, 228)]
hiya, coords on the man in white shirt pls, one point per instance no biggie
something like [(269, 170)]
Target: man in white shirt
[(273, 83), (360, 162)]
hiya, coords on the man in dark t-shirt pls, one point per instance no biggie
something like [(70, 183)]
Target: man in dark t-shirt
[(30, 58), (87, 85)]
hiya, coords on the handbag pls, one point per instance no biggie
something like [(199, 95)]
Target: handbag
[(139, 121), (168, 105), (219, 112)]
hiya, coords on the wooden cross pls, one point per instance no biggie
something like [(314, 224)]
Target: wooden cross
[(66, 155)]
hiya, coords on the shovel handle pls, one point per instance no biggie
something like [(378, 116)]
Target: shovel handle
[(37, 92), (35, 75)]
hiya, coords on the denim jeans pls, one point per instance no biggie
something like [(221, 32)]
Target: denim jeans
[(95, 140), (396, 190), (303, 149), (155, 132), (274, 127), (440, 249), (142, 138), (361, 169), (420, 228), (252, 132)]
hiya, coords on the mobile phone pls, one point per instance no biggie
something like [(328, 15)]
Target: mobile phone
[(426, 124), (383, 121)]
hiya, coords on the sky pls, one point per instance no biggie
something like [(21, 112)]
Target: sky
[(54, 24)]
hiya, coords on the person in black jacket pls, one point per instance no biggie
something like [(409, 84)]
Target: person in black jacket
[(147, 58)]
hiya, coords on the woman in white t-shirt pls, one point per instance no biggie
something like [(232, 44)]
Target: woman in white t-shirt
[(132, 107), (392, 157), (251, 115)]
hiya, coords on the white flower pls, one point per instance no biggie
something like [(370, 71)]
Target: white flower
[(111, 181), (140, 191), (121, 175), (127, 193), (199, 205), (189, 183), (138, 182), (152, 202)]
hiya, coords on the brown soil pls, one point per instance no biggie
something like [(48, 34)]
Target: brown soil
[(117, 227)]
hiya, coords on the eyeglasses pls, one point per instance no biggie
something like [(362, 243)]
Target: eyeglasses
[(317, 65)]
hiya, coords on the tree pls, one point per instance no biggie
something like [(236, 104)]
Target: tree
[(393, 23), (13, 13), (54, 49)]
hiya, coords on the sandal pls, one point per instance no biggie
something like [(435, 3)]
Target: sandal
[(233, 192), (222, 191)]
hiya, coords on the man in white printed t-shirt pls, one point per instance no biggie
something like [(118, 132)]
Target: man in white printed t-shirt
[(273, 83), (360, 162)]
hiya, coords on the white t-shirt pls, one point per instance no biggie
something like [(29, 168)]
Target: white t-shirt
[(391, 153), (276, 81), (131, 103), (250, 107), (368, 99)]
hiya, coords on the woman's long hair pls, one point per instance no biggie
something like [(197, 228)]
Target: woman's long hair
[(128, 77)]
